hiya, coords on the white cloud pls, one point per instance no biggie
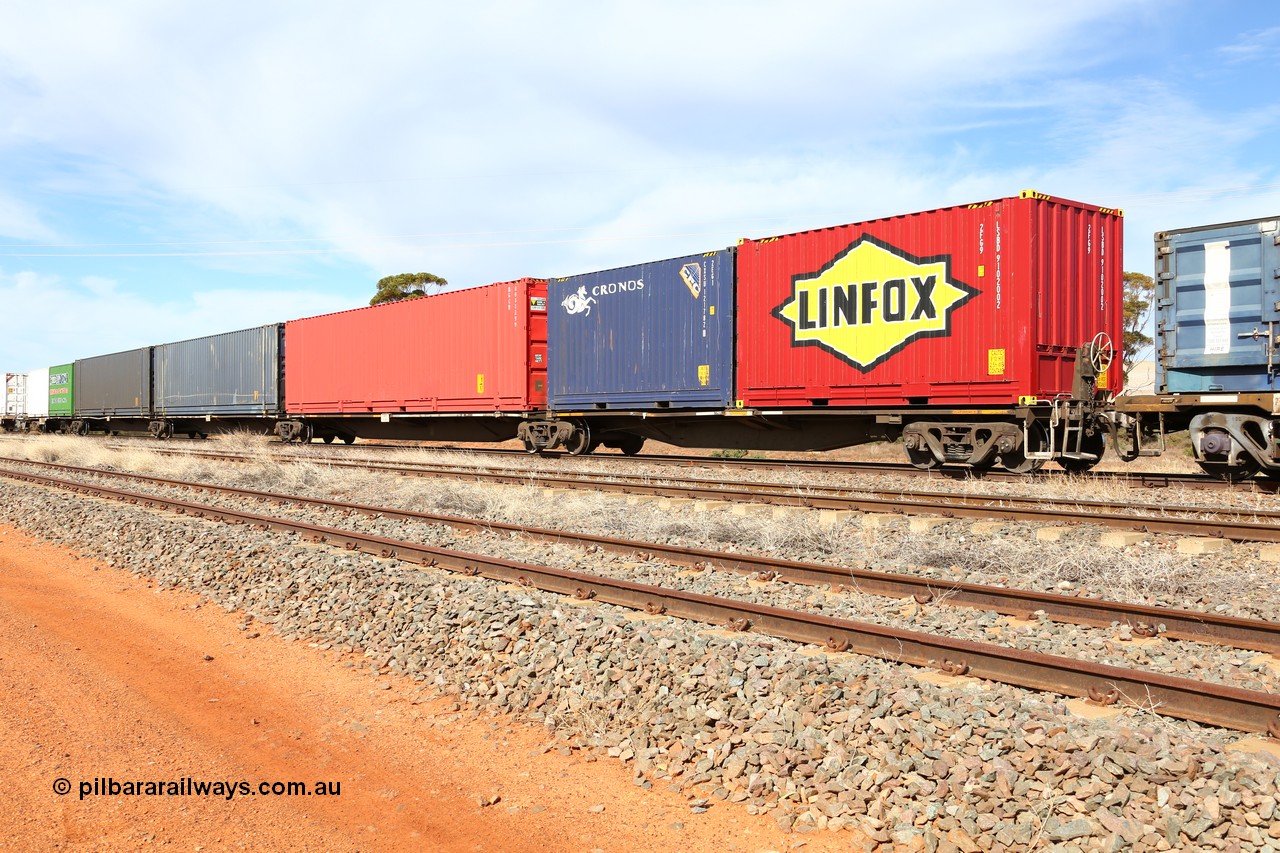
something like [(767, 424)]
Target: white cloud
[(542, 139), (20, 221), (52, 321)]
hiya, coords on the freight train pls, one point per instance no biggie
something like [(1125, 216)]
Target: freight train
[(980, 334)]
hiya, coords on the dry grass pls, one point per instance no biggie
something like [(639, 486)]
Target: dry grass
[(1156, 575), (1108, 572)]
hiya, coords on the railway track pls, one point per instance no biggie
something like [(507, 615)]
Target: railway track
[(1197, 626), (1236, 525), (1137, 479), (1213, 704)]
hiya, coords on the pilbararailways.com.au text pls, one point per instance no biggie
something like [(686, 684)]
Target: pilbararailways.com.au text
[(189, 787)]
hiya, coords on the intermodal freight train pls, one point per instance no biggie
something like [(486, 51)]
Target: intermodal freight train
[(981, 335)]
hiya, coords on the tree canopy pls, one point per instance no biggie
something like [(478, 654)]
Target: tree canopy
[(407, 285), (1138, 292)]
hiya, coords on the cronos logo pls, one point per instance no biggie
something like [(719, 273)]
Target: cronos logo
[(870, 301)]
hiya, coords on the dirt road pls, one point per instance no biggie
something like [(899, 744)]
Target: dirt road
[(104, 677)]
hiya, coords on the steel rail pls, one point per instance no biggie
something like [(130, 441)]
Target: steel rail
[(943, 504), (1213, 704), (1255, 634), (1144, 479)]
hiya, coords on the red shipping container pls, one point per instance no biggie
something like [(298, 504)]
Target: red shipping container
[(478, 350), (976, 305)]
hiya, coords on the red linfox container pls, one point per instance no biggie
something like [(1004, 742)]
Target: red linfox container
[(976, 305), (478, 350)]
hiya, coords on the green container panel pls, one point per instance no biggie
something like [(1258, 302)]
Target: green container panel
[(62, 395)]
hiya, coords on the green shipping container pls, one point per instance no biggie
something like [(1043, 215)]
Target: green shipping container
[(62, 390)]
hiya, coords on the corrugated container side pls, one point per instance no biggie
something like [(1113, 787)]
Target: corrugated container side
[(15, 394), (1218, 307), (234, 373), (980, 304), (476, 350), (62, 386), (38, 393), (653, 335), (115, 385)]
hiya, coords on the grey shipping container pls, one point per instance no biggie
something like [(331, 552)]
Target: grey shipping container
[(657, 335), (235, 373), (116, 385), (1218, 307)]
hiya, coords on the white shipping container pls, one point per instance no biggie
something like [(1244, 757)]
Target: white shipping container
[(15, 394), (38, 393)]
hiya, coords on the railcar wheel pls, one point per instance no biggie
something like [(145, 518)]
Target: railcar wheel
[(530, 447), (922, 459), (348, 439), (1095, 444), (580, 442), (1231, 473), (328, 439), (1218, 443), (630, 445), (1016, 461)]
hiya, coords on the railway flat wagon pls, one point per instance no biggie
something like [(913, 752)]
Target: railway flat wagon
[(978, 333), (1217, 348), (113, 392), (465, 365), (654, 338), (226, 381)]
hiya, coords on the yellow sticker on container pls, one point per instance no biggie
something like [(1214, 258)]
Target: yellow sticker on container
[(1104, 379), (479, 383), (704, 374), (982, 270), (713, 310), (995, 362)]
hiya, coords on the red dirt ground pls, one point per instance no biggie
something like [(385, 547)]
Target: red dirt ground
[(102, 675)]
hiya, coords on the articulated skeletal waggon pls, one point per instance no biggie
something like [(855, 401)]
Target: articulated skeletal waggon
[(980, 334)]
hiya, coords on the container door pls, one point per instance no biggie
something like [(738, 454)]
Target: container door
[(1218, 308), (537, 391)]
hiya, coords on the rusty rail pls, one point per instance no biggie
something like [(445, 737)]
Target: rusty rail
[(947, 505), (1214, 704), (1192, 625)]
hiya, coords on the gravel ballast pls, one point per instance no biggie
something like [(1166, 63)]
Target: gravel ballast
[(818, 740)]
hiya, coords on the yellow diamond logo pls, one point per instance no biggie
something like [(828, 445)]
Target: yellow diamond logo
[(872, 300)]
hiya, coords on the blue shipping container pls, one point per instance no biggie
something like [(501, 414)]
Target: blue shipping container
[(651, 336), (1218, 307)]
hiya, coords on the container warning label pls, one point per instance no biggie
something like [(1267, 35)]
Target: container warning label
[(995, 362), (871, 300)]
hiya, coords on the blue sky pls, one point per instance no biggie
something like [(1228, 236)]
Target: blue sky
[(169, 170)]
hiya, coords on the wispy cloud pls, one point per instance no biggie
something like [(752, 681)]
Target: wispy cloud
[(309, 154), (1251, 46)]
